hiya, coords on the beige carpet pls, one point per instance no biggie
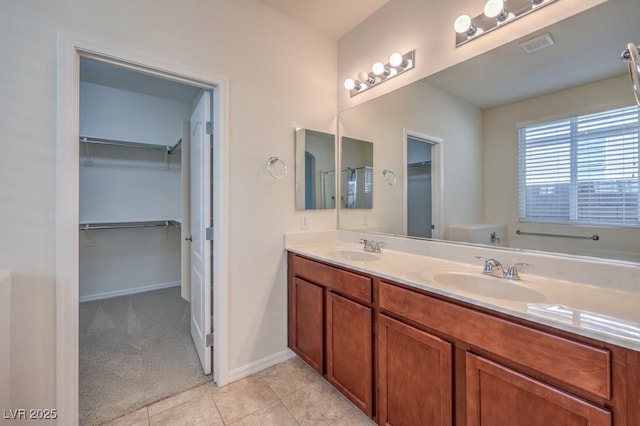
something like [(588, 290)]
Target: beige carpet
[(134, 350)]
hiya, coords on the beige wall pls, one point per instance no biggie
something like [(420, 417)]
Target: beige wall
[(275, 66), (431, 112), (501, 168)]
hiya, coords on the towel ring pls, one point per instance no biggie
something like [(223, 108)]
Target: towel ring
[(390, 177), (633, 58), (270, 165)]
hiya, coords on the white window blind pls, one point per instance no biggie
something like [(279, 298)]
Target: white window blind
[(581, 170)]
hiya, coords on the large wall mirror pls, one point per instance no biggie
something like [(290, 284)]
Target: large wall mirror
[(470, 114), (315, 170)]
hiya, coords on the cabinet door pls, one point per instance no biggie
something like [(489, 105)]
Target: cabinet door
[(349, 350), (498, 396), (415, 376), (306, 320)]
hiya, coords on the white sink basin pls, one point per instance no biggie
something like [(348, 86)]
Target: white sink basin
[(483, 285), (356, 256)]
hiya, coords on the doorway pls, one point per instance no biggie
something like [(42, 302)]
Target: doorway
[(422, 170), (142, 139), (70, 53)]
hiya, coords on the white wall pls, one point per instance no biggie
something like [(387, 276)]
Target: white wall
[(120, 184), (107, 112), (429, 111), (501, 168), (427, 27), (124, 261), (281, 76)]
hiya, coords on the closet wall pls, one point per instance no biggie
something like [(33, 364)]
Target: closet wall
[(124, 184)]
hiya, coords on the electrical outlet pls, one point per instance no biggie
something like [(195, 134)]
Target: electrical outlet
[(365, 219), (304, 221)]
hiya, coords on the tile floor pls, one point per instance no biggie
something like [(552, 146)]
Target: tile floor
[(290, 393)]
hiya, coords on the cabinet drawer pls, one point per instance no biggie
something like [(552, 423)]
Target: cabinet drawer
[(585, 367), (344, 282)]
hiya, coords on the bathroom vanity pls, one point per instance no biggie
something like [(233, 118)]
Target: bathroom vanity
[(407, 352)]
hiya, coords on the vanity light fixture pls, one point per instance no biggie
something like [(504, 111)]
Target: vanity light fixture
[(380, 72), (495, 15)]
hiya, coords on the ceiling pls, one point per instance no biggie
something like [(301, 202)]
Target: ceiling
[(333, 17), (135, 81), (587, 48)]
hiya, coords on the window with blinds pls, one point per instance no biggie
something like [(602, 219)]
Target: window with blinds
[(581, 170)]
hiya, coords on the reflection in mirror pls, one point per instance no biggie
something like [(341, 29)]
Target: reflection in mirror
[(419, 188), (356, 178), (477, 125), (315, 170)]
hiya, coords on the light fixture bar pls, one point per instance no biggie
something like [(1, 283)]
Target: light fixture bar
[(380, 73), (482, 24)]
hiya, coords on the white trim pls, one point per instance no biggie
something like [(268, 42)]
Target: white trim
[(127, 291), (437, 180), (67, 222), (259, 365)]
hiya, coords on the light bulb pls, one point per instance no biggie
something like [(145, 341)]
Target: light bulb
[(349, 84), (378, 68), (364, 77), (395, 60), (462, 24), (494, 8)]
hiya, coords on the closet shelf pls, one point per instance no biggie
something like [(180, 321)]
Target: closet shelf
[(167, 149), (124, 225)]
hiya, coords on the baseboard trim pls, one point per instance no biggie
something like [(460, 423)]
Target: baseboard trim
[(257, 366), (127, 291)]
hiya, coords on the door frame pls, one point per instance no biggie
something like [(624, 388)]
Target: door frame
[(437, 181), (69, 51)]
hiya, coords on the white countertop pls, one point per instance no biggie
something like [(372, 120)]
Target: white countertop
[(603, 313)]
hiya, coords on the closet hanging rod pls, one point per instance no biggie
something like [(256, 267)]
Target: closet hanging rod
[(174, 147), (129, 144), (127, 225)]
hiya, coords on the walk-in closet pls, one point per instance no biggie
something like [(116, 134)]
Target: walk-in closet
[(134, 245)]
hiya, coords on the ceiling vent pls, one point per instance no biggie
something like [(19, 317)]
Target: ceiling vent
[(537, 43)]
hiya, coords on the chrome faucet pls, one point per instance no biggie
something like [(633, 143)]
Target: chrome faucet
[(372, 246), (512, 272), (494, 268)]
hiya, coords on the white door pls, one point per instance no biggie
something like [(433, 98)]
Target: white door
[(200, 220)]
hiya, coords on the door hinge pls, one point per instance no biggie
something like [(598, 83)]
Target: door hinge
[(209, 340), (209, 127), (209, 234)]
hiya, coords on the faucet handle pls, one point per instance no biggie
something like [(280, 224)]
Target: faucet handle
[(368, 245), (489, 264), (512, 272)]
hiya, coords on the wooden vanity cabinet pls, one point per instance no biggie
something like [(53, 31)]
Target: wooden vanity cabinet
[(414, 376), (443, 362), (497, 395), (349, 366), (306, 322), (330, 326)]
